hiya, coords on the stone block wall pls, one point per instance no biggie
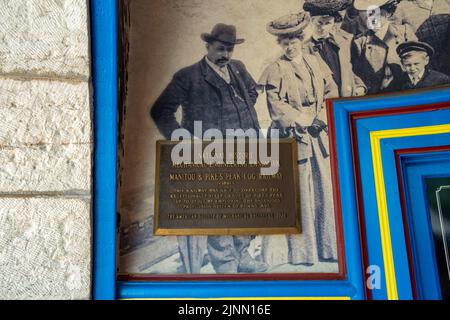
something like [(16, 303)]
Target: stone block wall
[(46, 144)]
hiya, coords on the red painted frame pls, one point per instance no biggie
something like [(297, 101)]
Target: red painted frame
[(353, 117)]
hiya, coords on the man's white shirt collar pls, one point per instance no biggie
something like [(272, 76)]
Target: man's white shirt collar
[(221, 71), (329, 36)]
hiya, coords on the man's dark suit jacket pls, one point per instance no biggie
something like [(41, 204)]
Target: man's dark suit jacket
[(197, 90)]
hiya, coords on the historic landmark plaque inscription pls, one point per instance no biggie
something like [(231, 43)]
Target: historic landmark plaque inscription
[(225, 198)]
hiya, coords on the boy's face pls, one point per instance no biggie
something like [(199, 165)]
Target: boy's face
[(415, 63), (322, 26)]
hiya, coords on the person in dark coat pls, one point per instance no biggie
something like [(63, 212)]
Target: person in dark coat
[(219, 92), (354, 21), (332, 44), (203, 89), (415, 57), (373, 52)]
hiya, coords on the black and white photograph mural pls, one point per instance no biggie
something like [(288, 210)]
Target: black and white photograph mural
[(263, 65)]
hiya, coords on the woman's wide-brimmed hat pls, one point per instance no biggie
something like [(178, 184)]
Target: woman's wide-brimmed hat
[(325, 7), (223, 33), (291, 24)]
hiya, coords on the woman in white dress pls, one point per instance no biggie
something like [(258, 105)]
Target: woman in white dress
[(297, 84)]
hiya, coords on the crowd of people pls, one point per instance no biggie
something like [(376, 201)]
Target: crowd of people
[(331, 48)]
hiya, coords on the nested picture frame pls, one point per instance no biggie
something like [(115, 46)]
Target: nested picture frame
[(418, 170), (437, 190), (352, 272), (373, 135)]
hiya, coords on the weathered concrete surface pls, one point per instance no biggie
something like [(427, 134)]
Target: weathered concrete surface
[(44, 38), (45, 150), (46, 168), (45, 248), (43, 112)]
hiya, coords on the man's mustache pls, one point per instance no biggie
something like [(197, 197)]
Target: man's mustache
[(223, 60)]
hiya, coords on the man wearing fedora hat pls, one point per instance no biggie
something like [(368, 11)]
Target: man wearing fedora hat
[(415, 57), (219, 92), (216, 90), (333, 44)]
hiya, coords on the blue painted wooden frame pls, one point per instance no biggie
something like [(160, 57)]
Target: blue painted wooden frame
[(388, 147), (422, 244), (352, 287), (233, 289), (342, 109), (415, 169), (393, 201), (104, 72), (104, 78)]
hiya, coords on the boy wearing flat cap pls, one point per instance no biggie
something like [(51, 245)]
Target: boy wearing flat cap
[(415, 57), (332, 44), (374, 56)]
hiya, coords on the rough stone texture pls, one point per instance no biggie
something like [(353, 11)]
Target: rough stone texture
[(45, 168), (45, 248), (45, 150), (44, 37), (42, 112)]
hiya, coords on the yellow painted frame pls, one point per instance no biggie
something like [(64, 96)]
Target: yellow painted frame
[(383, 214)]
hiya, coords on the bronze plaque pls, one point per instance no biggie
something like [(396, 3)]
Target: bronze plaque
[(227, 199)]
